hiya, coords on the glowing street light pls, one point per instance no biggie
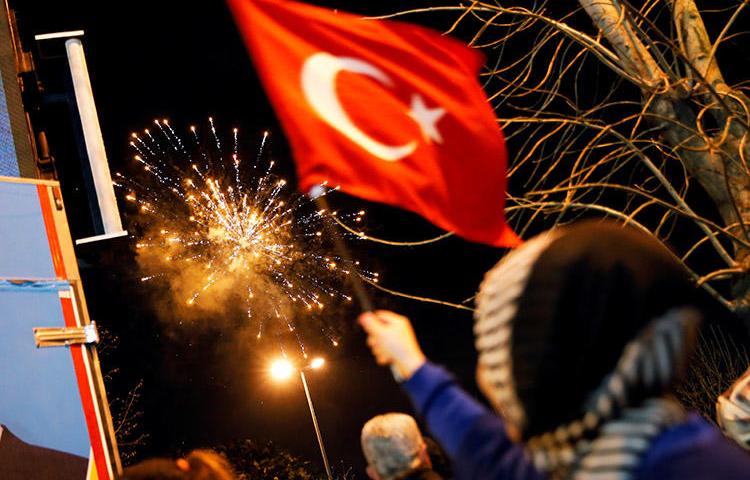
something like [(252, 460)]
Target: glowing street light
[(282, 369)]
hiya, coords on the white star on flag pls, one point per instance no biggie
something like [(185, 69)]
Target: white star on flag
[(426, 118)]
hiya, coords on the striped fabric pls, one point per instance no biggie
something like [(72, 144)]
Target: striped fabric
[(496, 308), (616, 452), (608, 441)]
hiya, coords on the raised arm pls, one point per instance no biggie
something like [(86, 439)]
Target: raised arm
[(472, 435)]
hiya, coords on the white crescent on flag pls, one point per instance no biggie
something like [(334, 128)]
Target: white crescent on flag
[(318, 79)]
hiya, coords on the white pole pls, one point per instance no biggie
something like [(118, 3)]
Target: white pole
[(317, 429), (92, 135)]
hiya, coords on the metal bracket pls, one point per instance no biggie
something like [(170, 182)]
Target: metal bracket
[(65, 336)]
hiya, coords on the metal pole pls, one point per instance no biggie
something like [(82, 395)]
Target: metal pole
[(365, 302), (315, 424), (105, 193), (318, 195)]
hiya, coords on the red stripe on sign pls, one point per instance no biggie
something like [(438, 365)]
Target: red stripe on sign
[(87, 399), (49, 226)]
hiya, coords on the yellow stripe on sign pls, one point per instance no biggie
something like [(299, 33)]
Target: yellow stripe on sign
[(91, 471)]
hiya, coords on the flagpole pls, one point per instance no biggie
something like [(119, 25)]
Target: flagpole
[(365, 302), (318, 195)]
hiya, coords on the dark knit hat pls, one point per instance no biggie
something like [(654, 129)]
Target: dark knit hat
[(570, 305)]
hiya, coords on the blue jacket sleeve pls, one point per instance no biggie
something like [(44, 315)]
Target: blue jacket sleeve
[(472, 436), (695, 450)]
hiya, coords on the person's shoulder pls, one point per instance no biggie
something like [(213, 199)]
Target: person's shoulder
[(695, 449)]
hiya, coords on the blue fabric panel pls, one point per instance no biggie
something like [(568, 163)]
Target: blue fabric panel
[(39, 399), (8, 160), (24, 249)]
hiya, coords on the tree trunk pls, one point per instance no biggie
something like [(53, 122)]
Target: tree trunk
[(680, 106)]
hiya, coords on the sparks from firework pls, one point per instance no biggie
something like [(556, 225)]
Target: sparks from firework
[(235, 227)]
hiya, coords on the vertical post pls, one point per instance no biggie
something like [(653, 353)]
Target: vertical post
[(315, 424), (365, 302), (92, 134), (318, 195)]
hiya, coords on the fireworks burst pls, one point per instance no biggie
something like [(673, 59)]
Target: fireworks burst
[(221, 228)]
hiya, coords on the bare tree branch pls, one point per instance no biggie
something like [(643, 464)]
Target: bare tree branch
[(634, 58)]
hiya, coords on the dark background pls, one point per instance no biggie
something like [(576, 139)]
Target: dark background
[(207, 383)]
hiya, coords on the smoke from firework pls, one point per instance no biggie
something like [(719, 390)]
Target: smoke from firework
[(222, 228)]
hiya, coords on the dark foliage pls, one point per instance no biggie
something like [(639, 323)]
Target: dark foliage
[(264, 460)]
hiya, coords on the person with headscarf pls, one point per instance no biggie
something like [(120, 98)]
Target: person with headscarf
[(581, 333), (733, 411)]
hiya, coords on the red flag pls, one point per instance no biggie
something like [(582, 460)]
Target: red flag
[(391, 112)]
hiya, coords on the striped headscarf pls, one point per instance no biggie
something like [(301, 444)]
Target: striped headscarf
[(733, 411), (580, 333)]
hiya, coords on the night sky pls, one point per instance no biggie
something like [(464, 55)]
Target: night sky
[(206, 383)]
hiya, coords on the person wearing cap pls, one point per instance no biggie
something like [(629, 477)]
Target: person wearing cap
[(395, 450), (581, 333)]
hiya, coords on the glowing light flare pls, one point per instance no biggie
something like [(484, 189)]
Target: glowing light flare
[(281, 369), (317, 362)]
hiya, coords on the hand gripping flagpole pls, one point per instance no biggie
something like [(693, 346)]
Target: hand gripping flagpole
[(317, 193)]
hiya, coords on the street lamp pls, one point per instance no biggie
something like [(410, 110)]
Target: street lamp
[(282, 369)]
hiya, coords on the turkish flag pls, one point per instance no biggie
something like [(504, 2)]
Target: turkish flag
[(390, 112)]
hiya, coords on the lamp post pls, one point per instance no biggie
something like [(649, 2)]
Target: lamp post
[(283, 369)]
